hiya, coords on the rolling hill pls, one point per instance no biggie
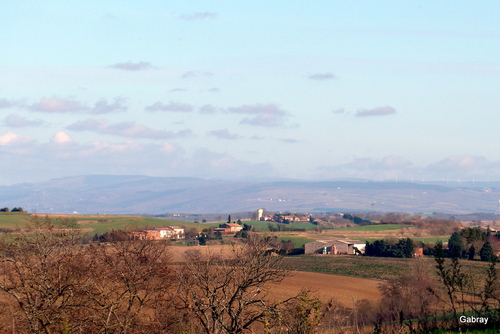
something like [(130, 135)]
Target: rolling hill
[(136, 194)]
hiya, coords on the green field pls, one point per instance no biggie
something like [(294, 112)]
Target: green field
[(424, 240), (358, 266), (297, 241), (12, 220), (98, 224), (263, 226), (373, 228), (106, 224)]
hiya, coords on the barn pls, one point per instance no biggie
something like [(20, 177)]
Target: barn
[(338, 246)]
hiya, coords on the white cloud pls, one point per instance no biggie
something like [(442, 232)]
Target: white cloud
[(6, 104), (170, 148), (131, 66), (196, 74), (10, 138), (288, 140), (322, 76), (39, 162), (102, 106), (268, 115), (198, 16), (380, 111), (391, 167), (57, 105), (61, 137), (16, 121), (207, 109), (461, 163), (172, 106), (224, 134), (126, 129), (339, 111)]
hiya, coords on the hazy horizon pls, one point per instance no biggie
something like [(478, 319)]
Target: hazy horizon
[(221, 90), (453, 182)]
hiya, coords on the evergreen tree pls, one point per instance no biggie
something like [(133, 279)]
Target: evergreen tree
[(472, 252), (455, 245), (486, 252)]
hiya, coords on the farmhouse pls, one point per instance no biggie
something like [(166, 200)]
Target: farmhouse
[(229, 228), (339, 246), (169, 232), (418, 252)]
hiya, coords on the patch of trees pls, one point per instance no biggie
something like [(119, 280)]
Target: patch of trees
[(357, 220), (244, 233), (437, 226), (464, 292), (209, 234), (16, 209), (284, 228), (470, 217), (395, 218), (113, 235), (431, 299), (404, 248), (472, 242)]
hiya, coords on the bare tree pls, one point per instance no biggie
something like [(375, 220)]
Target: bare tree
[(301, 315), (56, 286), (228, 295), (126, 281), (41, 272), (413, 295)]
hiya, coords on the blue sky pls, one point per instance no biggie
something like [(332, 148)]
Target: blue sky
[(326, 90)]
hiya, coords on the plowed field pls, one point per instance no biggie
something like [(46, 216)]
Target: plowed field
[(343, 289)]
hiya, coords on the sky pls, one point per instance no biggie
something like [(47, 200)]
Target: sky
[(323, 90)]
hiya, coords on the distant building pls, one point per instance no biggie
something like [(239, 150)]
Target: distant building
[(334, 247), (320, 247), (169, 232), (230, 228), (260, 214), (418, 252)]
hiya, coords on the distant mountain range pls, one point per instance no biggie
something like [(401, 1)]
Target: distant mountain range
[(135, 194)]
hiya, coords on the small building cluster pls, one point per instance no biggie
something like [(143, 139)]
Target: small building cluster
[(334, 247), (160, 233), (286, 218), (229, 228)]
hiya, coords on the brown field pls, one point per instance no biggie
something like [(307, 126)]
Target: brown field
[(346, 290), (178, 252)]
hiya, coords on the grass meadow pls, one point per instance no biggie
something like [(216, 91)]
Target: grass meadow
[(372, 228)]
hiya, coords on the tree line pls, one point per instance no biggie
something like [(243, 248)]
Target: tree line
[(403, 248), (472, 242), (16, 209)]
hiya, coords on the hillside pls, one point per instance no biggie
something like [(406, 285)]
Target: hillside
[(105, 194)]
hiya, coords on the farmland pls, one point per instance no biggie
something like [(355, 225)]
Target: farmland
[(381, 268), (94, 223), (363, 267), (343, 279), (373, 228)]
